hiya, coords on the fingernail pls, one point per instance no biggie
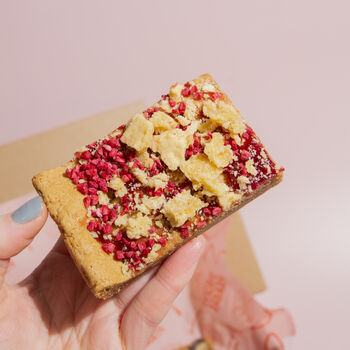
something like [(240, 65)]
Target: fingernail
[(28, 211)]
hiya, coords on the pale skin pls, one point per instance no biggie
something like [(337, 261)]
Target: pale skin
[(54, 309)]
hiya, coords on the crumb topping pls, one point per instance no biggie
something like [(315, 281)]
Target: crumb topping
[(217, 152), (182, 207), (162, 122), (170, 171), (138, 134)]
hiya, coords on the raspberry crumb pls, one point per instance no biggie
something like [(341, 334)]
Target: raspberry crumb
[(105, 210), (182, 107), (245, 155), (125, 178), (86, 155), (119, 255), (216, 211), (162, 241), (185, 92), (197, 95), (215, 95), (201, 224), (119, 235), (108, 247), (91, 226), (193, 89), (83, 188), (207, 211), (87, 201), (141, 246), (107, 229), (158, 192), (129, 254), (184, 233)]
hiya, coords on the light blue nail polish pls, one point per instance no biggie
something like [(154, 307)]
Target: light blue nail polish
[(28, 211)]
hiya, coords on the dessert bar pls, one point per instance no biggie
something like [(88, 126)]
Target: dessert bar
[(127, 201)]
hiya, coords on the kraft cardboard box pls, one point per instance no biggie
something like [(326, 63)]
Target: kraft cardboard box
[(29, 156)]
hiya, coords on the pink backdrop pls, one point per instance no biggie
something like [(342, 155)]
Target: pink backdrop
[(286, 66)]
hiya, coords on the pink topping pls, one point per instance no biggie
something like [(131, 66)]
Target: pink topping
[(162, 241), (201, 224), (108, 247), (216, 211), (119, 255)]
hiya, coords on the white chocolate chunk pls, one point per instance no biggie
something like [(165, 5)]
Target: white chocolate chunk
[(158, 181), (182, 120), (102, 198), (203, 173), (140, 175), (121, 220), (228, 198), (217, 152), (138, 133), (138, 226), (172, 145), (208, 126), (117, 184), (162, 122), (182, 207), (144, 158), (191, 110), (207, 87), (249, 164), (224, 114), (175, 92), (153, 203), (242, 182), (198, 169), (164, 104)]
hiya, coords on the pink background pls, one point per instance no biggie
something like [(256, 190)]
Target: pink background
[(286, 66)]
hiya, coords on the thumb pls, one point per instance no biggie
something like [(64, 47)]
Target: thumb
[(18, 229)]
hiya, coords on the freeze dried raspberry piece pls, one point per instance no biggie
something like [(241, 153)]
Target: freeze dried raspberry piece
[(127, 201)]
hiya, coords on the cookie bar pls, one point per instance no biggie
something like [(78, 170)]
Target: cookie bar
[(127, 201), (200, 344)]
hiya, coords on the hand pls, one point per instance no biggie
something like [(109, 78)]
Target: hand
[(54, 309)]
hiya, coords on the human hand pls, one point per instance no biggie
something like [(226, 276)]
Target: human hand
[(54, 309)]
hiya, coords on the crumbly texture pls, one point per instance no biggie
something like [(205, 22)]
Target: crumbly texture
[(128, 201)]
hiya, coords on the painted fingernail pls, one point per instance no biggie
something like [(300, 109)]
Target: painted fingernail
[(28, 211)]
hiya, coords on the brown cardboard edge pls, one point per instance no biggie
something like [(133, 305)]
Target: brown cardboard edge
[(240, 257)]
